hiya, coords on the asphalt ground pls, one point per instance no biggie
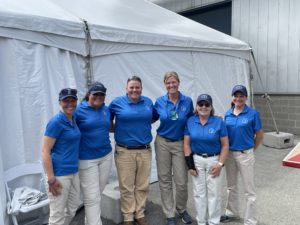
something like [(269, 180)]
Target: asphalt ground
[(277, 186)]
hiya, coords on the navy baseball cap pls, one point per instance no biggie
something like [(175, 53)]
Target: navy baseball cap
[(97, 87), (204, 97), (239, 88), (67, 92)]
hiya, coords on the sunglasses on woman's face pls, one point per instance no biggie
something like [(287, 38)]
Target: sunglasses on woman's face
[(201, 104), (99, 94)]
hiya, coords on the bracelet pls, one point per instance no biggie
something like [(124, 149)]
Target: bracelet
[(221, 164), (51, 182)]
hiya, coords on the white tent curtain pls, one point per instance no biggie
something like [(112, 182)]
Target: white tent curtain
[(199, 72), (31, 77)]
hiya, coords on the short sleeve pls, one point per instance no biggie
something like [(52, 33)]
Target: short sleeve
[(186, 131), (191, 108), (111, 110), (257, 122), (223, 131), (53, 129)]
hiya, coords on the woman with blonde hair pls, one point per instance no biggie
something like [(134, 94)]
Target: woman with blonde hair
[(172, 109)]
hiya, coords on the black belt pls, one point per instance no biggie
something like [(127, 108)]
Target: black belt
[(241, 151), (204, 155), (172, 140), (135, 146)]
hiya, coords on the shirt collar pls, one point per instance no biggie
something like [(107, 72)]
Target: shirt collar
[(86, 104), (210, 119), (166, 97), (129, 101), (65, 119), (245, 109)]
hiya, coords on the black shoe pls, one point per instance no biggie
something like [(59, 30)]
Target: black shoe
[(185, 217), (171, 221), (227, 219)]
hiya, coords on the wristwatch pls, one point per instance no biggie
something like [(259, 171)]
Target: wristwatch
[(221, 164)]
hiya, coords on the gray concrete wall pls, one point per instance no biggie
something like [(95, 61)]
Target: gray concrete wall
[(286, 109)]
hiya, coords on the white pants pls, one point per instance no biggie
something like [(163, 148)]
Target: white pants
[(207, 191), (93, 176), (63, 207), (243, 163)]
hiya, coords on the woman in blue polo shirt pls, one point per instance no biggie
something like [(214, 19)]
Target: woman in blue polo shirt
[(205, 149), (245, 135), (60, 158), (133, 116), (173, 109), (95, 153)]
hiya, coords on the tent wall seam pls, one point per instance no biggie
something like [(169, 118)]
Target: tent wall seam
[(88, 58)]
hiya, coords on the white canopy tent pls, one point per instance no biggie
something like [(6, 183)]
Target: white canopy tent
[(46, 45)]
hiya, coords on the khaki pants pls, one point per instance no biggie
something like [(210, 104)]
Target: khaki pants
[(170, 158), (93, 176), (133, 167), (63, 207), (243, 163)]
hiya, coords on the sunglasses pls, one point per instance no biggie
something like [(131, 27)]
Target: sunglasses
[(99, 94), (201, 104), (68, 91), (239, 95)]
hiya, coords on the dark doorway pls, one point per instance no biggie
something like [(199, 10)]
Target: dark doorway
[(216, 16)]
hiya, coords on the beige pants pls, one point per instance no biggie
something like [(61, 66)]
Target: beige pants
[(243, 164), (63, 207), (133, 167), (170, 160)]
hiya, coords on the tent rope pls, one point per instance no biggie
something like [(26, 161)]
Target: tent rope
[(88, 58), (265, 95)]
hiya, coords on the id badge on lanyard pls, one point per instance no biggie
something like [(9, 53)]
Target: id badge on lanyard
[(173, 114)]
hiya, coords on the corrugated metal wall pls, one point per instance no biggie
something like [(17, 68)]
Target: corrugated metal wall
[(183, 5), (272, 29)]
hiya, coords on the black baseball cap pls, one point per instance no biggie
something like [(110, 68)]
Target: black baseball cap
[(239, 88), (97, 87), (204, 97), (67, 92)]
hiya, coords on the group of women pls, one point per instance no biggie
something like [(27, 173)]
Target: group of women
[(77, 153)]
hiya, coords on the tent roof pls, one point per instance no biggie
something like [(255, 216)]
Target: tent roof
[(131, 22)]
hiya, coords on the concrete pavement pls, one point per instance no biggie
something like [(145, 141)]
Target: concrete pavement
[(278, 193)]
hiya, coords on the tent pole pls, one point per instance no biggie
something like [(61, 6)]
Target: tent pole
[(265, 95), (88, 58)]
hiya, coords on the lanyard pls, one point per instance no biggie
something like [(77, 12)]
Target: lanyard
[(173, 113)]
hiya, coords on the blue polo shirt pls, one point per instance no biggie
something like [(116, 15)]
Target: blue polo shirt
[(65, 151), (132, 120), (168, 128), (205, 138), (94, 125), (242, 128)]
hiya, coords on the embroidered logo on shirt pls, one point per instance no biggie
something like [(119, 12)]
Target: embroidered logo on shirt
[(211, 131), (148, 107), (244, 121), (183, 108)]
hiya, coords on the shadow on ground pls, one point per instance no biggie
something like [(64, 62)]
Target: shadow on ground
[(154, 216)]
